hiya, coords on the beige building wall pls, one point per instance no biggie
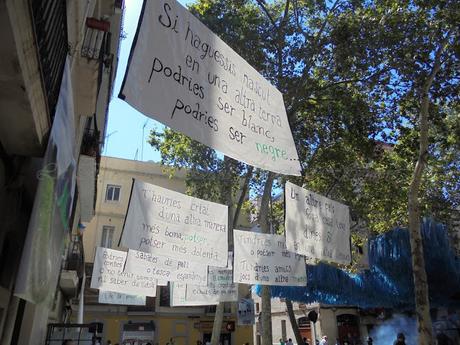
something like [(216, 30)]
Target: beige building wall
[(119, 173)]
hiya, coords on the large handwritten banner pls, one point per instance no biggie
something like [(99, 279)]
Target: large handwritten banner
[(316, 226), (108, 275), (263, 259), (183, 75), (109, 297), (167, 223), (163, 268)]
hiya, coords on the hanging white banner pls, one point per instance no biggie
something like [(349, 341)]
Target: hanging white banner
[(178, 296), (167, 223), (162, 282), (220, 288), (49, 226), (246, 313), (163, 268), (110, 297), (316, 226), (183, 75), (108, 275), (263, 259)]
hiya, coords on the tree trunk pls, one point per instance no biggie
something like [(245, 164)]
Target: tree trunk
[(266, 318), (422, 303), (217, 325), (294, 324), (266, 293), (226, 197)]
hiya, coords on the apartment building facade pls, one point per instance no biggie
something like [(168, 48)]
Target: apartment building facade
[(57, 68), (334, 321)]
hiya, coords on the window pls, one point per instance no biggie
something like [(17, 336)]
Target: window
[(283, 329), (112, 193), (107, 236)]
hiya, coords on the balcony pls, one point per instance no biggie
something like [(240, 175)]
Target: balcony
[(88, 169), (50, 23), (73, 268), (94, 57)]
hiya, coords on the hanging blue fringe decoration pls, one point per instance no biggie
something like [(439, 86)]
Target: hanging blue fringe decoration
[(389, 282)]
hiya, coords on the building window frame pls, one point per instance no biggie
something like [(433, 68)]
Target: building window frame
[(107, 236), (112, 193)]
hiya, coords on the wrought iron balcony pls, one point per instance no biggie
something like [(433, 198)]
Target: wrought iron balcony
[(97, 39), (75, 256), (50, 26)]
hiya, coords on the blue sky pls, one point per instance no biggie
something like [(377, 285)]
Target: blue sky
[(125, 124)]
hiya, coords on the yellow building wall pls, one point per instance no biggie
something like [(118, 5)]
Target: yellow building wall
[(179, 327)]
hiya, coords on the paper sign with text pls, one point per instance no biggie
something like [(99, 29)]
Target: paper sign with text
[(316, 226), (246, 314), (220, 288), (263, 259), (110, 297), (162, 282), (183, 75), (178, 296), (108, 275), (167, 223), (163, 268)]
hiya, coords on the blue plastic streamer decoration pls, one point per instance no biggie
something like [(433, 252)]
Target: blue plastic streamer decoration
[(388, 283)]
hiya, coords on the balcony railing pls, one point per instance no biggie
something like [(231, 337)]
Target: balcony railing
[(75, 256), (90, 144), (97, 39), (50, 23)]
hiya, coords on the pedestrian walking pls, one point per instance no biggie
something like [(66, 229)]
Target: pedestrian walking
[(305, 341), (282, 342), (289, 342), (370, 341), (400, 339), (324, 340)]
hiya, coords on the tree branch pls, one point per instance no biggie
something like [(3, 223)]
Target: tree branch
[(261, 3), (242, 196), (326, 20), (314, 48), (285, 15), (436, 66), (354, 80)]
